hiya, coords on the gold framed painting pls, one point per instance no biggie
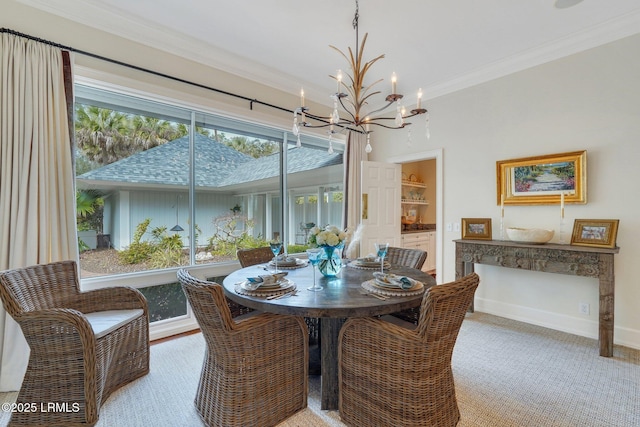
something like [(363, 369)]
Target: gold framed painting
[(543, 180), (600, 233), (476, 228)]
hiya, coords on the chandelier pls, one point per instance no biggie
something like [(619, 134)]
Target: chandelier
[(351, 110)]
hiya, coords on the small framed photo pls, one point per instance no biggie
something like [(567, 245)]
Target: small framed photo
[(595, 232), (476, 228)]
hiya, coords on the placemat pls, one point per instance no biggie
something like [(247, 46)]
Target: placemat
[(286, 287), (300, 263), (370, 287), (356, 264)]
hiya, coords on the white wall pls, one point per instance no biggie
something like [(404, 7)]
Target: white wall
[(588, 101)]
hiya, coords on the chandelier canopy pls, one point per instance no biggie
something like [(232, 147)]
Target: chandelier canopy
[(351, 111)]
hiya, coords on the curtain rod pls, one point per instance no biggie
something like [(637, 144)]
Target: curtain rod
[(146, 70)]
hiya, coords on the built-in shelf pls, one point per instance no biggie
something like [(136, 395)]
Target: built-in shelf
[(414, 184), (414, 202)]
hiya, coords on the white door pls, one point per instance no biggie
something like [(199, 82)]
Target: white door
[(380, 216)]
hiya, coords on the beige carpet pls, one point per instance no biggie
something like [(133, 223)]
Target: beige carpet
[(507, 374)]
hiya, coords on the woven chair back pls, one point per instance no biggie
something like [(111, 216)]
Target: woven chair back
[(253, 256), (407, 257), (442, 311), (208, 303), (40, 287)]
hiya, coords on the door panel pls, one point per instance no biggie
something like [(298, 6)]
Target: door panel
[(381, 205)]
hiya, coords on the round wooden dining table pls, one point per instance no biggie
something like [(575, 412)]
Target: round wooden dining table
[(342, 297)]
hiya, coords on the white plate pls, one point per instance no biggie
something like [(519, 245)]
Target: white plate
[(282, 284), (288, 263)]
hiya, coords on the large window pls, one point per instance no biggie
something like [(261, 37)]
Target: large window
[(160, 186)]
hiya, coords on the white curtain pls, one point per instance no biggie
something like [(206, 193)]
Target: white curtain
[(37, 197), (355, 154)]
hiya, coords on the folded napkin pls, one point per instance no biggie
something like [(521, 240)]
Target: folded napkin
[(401, 282), (254, 283), (285, 260)]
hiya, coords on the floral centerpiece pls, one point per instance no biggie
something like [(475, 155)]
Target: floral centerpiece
[(331, 239)]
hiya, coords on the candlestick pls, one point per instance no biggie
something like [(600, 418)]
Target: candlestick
[(394, 80), (502, 205), (419, 103), (302, 97), (339, 79), (562, 205)]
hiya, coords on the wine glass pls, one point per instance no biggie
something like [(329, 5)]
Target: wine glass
[(275, 248), (314, 258), (381, 249)]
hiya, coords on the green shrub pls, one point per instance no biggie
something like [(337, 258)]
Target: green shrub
[(164, 250)]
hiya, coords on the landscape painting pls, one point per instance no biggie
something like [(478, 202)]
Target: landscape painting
[(552, 177), (549, 179)]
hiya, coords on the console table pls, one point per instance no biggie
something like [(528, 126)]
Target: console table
[(551, 258)]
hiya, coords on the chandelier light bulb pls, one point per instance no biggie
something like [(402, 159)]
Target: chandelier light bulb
[(338, 80), (419, 103), (394, 82)]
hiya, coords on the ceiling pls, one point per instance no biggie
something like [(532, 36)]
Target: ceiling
[(439, 46)]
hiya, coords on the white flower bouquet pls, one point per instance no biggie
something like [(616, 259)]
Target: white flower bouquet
[(328, 236)]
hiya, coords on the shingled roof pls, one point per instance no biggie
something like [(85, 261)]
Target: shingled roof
[(217, 165)]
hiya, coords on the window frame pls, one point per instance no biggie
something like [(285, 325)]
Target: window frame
[(160, 96)]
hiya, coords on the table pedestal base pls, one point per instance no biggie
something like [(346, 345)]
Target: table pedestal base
[(329, 330)]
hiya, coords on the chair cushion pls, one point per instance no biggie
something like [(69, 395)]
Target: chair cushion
[(105, 322)]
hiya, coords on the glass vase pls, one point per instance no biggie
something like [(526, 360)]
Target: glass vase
[(331, 260)]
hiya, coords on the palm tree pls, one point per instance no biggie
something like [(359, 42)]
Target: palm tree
[(149, 132), (102, 134)]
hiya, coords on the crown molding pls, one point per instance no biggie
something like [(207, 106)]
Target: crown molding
[(595, 36), (115, 22)]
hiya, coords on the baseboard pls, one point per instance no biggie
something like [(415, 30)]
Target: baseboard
[(167, 328), (561, 322)]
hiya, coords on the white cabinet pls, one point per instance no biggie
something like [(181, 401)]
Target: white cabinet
[(422, 240), (430, 263)]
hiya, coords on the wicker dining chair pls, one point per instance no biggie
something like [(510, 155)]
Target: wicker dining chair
[(393, 376), (407, 257), (254, 371), (84, 345), (262, 255)]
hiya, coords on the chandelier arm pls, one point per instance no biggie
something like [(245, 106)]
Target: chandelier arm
[(415, 113), (389, 127), (347, 110), (370, 113), (346, 125)]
